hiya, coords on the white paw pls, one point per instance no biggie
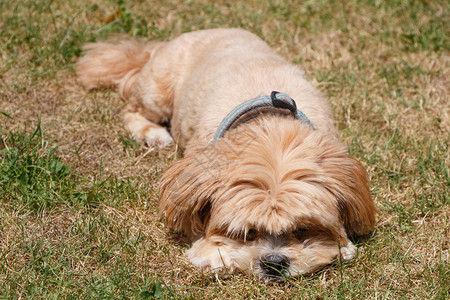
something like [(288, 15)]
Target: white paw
[(211, 260), (348, 252), (158, 137)]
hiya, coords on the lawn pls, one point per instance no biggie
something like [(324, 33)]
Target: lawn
[(78, 214)]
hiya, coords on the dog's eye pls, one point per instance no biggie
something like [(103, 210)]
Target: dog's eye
[(301, 232), (251, 235)]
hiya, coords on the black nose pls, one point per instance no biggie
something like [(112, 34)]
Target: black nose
[(274, 264)]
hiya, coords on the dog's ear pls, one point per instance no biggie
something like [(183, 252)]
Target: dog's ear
[(187, 190), (350, 186)]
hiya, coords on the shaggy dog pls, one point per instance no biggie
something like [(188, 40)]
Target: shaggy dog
[(272, 195)]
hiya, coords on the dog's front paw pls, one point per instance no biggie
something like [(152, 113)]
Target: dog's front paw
[(348, 251), (222, 270), (158, 137)]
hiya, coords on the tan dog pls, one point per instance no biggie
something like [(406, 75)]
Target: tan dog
[(274, 196)]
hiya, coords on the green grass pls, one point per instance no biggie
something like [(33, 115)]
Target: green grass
[(33, 178), (78, 215)]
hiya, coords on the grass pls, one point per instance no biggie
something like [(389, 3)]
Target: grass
[(78, 196)]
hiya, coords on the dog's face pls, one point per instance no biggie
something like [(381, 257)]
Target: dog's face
[(277, 200), (270, 256), (303, 248)]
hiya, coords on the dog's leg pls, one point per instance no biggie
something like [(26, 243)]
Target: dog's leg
[(143, 130), (118, 64)]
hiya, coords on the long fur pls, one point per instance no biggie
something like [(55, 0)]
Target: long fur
[(115, 63), (272, 193)]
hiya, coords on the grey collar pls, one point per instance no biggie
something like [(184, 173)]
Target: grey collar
[(250, 109)]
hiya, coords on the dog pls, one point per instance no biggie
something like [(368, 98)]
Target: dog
[(270, 193)]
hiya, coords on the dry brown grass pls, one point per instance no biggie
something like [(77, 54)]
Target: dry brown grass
[(385, 67)]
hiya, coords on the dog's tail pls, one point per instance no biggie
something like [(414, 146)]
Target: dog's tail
[(115, 63)]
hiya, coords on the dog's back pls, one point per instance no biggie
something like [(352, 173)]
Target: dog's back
[(196, 79)]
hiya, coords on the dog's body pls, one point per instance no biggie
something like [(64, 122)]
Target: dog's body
[(273, 196)]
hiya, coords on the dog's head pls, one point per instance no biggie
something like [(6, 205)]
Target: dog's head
[(277, 199)]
